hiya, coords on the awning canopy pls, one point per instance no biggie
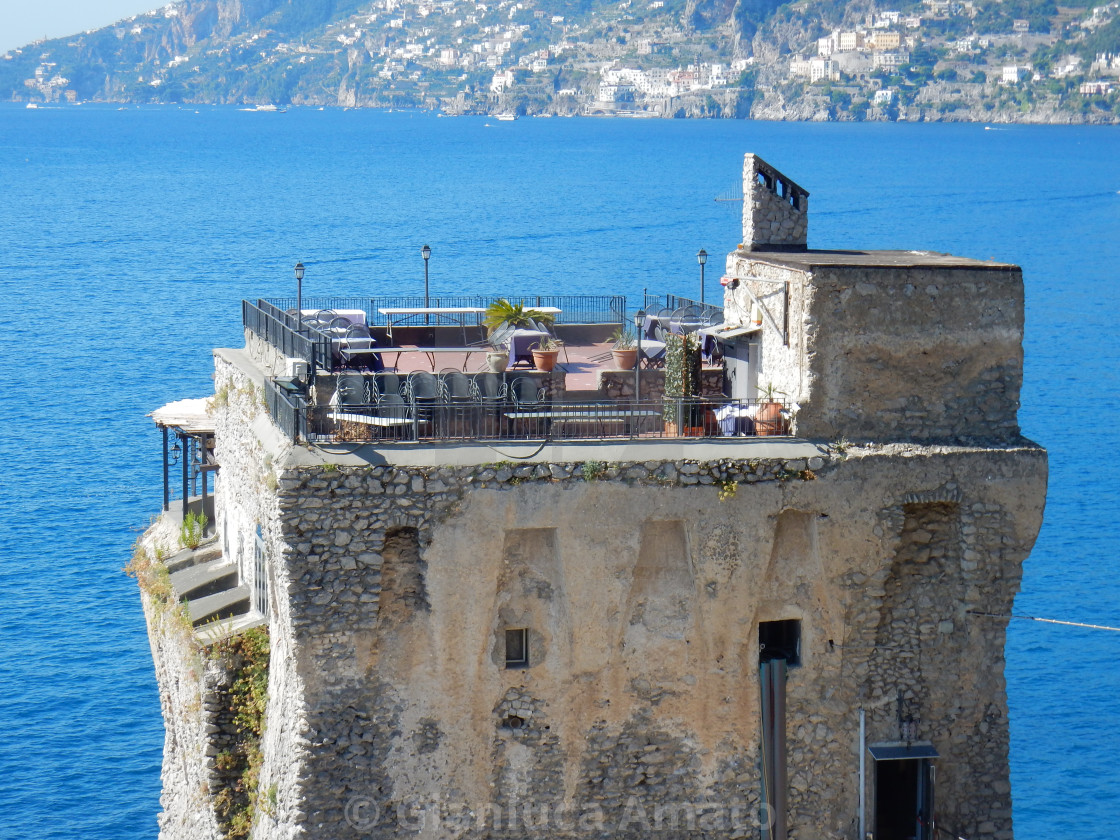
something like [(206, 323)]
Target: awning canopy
[(189, 415), (726, 332), (900, 750)]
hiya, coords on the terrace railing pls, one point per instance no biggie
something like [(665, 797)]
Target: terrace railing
[(575, 309), (469, 421), (287, 408), (656, 302), (278, 330)]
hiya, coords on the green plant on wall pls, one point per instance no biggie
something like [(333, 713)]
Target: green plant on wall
[(247, 657), (682, 375), (192, 530)]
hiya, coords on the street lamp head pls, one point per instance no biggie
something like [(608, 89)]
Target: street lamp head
[(299, 271), (639, 319), (702, 256), (425, 252)]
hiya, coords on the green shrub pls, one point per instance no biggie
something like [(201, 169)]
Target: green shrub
[(192, 530)]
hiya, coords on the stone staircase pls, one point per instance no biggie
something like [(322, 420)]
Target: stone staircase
[(208, 582)]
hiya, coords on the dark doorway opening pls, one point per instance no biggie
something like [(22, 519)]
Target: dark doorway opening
[(780, 640), (903, 799)]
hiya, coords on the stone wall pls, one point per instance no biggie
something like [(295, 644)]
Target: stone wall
[(640, 585), (642, 694), (775, 210), (891, 352), (250, 450)]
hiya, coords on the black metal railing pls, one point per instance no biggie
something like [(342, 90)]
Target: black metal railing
[(320, 341), (287, 408), (370, 413), (653, 303), (574, 309), (678, 302), (275, 327)]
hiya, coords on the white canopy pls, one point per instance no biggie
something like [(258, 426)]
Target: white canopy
[(188, 415)]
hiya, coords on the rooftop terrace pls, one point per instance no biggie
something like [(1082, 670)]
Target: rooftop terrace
[(399, 370)]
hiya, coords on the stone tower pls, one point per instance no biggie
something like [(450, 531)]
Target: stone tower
[(627, 635)]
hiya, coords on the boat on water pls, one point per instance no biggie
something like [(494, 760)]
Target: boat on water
[(32, 105), (507, 117)]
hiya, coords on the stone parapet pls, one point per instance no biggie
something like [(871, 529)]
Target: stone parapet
[(775, 209)]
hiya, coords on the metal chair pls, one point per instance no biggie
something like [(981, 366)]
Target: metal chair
[(422, 391), (459, 406), (351, 390), (526, 393), (489, 390), (685, 320), (384, 385), (357, 355)]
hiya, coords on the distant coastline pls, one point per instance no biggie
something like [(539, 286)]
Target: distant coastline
[(804, 113)]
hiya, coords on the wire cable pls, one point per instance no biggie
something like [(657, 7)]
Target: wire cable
[(1046, 620)]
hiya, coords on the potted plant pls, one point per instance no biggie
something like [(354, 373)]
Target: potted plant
[(545, 352), (769, 419), (624, 352), (502, 318), (503, 314), (682, 413)]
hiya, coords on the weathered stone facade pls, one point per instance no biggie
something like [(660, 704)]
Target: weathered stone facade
[(775, 209), (563, 641)]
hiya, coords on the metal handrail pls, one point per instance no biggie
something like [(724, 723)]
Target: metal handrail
[(509, 420), (575, 309), (287, 408), (280, 330)]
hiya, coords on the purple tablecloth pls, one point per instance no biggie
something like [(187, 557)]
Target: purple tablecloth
[(521, 345)]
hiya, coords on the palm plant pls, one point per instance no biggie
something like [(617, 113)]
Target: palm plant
[(502, 313)]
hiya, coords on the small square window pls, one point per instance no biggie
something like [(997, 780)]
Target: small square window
[(780, 640), (517, 648)]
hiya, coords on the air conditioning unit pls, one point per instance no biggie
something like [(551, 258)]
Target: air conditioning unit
[(295, 368)]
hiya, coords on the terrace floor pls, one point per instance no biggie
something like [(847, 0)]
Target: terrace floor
[(580, 363)]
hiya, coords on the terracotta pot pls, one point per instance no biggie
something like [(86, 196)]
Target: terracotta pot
[(545, 359), (625, 359), (769, 420)]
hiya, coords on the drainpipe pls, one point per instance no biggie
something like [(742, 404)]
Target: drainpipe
[(862, 773)]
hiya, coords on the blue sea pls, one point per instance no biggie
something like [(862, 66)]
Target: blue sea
[(128, 238)]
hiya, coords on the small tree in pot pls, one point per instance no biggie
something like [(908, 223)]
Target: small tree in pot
[(501, 319), (682, 384), (769, 420)]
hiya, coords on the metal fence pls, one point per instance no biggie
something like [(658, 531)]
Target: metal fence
[(506, 417), (653, 303), (287, 408), (272, 326), (574, 309)]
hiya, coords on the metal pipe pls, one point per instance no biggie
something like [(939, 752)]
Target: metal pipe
[(185, 441), (862, 774), (166, 474)]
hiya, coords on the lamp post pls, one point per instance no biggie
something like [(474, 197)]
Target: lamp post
[(702, 257), (299, 294), (639, 318), (426, 253)]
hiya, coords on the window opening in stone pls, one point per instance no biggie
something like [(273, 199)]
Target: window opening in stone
[(517, 648), (514, 722), (780, 640)]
